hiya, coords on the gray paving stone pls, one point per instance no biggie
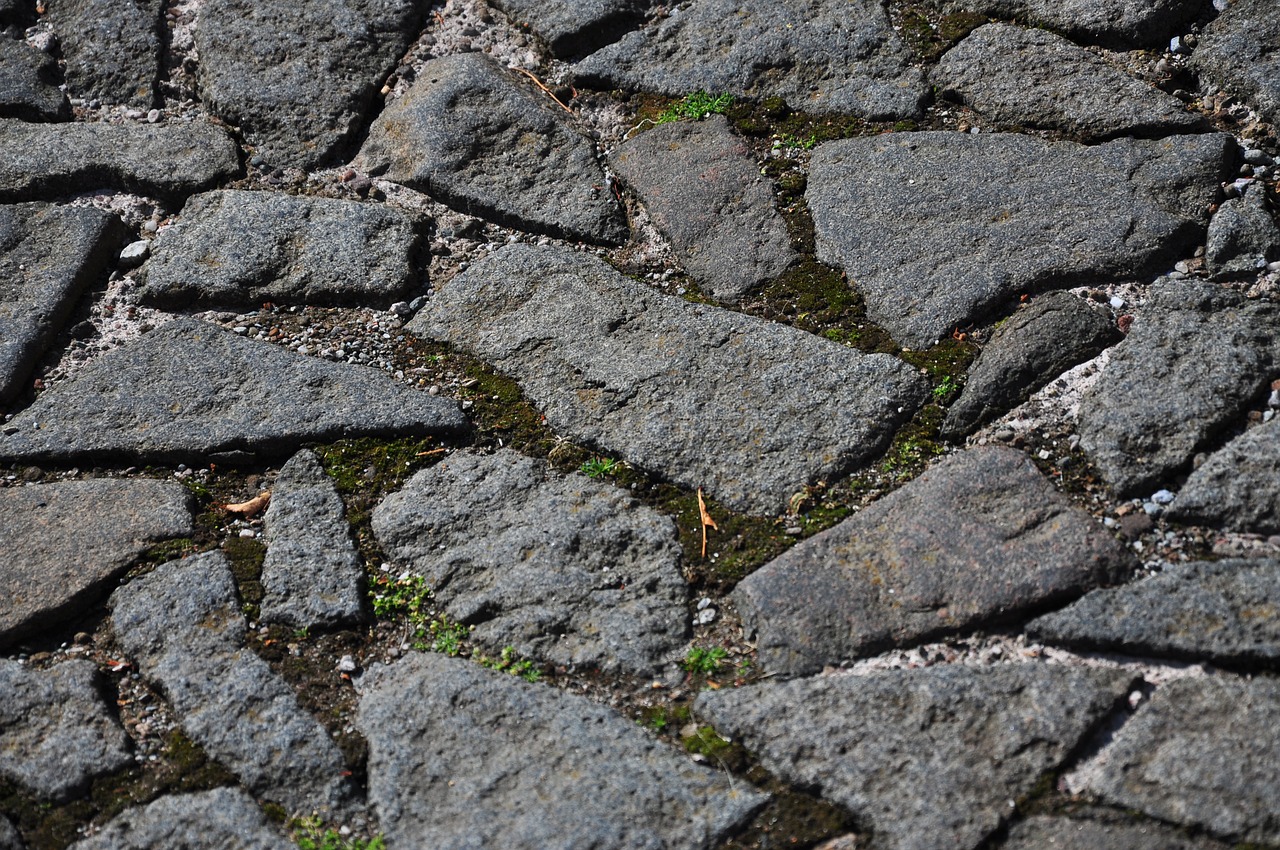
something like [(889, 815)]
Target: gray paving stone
[(56, 731), (182, 626), (19, 13), (1035, 79), (1238, 487), (470, 134), (221, 819), (1242, 237), (1121, 24), (749, 409), (1194, 360), (1103, 832), (464, 757), (65, 542), (1031, 348), (9, 837), (243, 248), (702, 187), (567, 570), (1222, 611), (574, 27), (191, 389), (300, 78), (1203, 752), (48, 256), (29, 84), (818, 55), (312, 574), (938, 228), (926, 758), (165, 160), (981, 536), (1238, 54), (111, 48)]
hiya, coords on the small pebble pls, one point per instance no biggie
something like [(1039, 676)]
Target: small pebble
[(1162, 497), (135, 253), (153, 116), (1116, 302)]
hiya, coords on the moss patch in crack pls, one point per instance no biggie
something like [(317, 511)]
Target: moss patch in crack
[(914, 446), (245, 554), (929, 34)]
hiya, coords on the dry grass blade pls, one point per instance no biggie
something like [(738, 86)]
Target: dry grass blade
[(707, 521), (251, 508), (543, 86)]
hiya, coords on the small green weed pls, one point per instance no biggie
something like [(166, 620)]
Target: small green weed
[(945, 388), (695, 107), (509, 662), (446, 637), (406, 596), (310, 833), (704, 660), (599, 467), (804, 143)]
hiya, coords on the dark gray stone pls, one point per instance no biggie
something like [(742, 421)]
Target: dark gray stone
[(700, 183), (1030, 349), (749, 409), (1243, 236), (19, 13), (243, 248), (190, 389), (979, 537), (65, 542), (1121, 24), (567, 570), (312, 574), (300, 78), (464, 757), (937, 228), (1223, 611), (1203, 752), (111, 48), (926, 758), (9, 838), (818, 55), (56, 731), (183, 627), (1194, 360), (1239, 52), (29, 84), (1238, 487), (164, 160), (471, 135), (574, 27), (1033, 78), (48, 256), (222, 819), (1103, 831)]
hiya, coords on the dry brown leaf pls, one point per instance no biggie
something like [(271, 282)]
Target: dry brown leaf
[(707, 521), (251, 508)]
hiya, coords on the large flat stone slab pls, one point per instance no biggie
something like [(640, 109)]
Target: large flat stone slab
[(567, 570), (746, 408), (702, 187), (1203, 752), (182, 625), (28, 84), (938, 228), (243, 248), (1120, 24), (65, 542), (56, 732), (1196, 357), (473, 136), (460, 756), (573, 27), (190, 389), (981, 536), (300, 79), (1103, 832), (1242, 236), (1238, 53), (928, 759), (818, 55), (111, 48), (48, 256), (221, 819), (1238, 487), (164, 160)]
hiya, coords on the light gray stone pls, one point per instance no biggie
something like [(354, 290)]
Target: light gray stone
[(111, 48), (9, 837), (938, 228), (1239, 52), (1242, 237), (1238, 487), (469, 758), (28, 84), (749, 409), (572, 27), (1101, 831), (1120, 24), (221, 819)]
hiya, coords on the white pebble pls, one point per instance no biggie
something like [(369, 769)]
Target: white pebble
[(1116, 302)]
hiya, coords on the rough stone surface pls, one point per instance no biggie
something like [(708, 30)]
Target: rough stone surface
[(244, 248), (48, 256), (299, 78), (1196, 357), (567, 570), (221, 819), (65, 541), (1238, 487), (819, 56), (1033, 78), (160, 160), (9, 838), (1100, 833), (702, 187), (936, 228), (182, 625), (18, 13), (29, 84), (980, 536), (312, 574), (471, 135), (926, 758), (111, 48), (1122, 24), (56, 733), (748, 409), (1034, 346), (1242, 237), (574, 27), (464, 757), (190, 389), (1238, 52), (1203, 752), (1224, 611)]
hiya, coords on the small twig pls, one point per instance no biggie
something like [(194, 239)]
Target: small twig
[(432, 452), (542, 86), (706, 521)]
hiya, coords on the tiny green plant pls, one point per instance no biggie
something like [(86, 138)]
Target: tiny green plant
[(695, 107), (947, 386), (704, 660), (310, 833), (406, 596), (510, 662), (804, 143), (598, 467), (302, 634), (446, 636)]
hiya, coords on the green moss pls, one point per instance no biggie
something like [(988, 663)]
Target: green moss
[(369, 463), (706, 742), (245, 555), (929, 35), (915, 444), (169, 550)]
